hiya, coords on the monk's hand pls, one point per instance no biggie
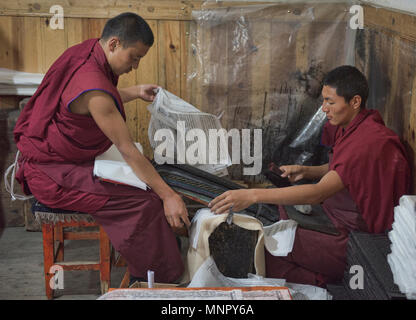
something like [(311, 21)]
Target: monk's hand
[(238, 199), (147, 91), (293, 172), (176, 212)]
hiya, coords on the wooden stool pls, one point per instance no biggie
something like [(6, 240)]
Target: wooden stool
[(53, 222)]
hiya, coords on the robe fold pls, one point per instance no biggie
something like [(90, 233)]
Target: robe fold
[(374, 168), (58, 149)]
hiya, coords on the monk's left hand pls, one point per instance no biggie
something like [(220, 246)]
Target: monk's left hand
[(238, 199), (147, 91)]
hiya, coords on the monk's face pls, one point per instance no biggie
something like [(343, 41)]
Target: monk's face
[(338, 111), (124, 59)]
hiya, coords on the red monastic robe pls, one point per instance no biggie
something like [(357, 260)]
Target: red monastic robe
[(372, 164), (58, 149)]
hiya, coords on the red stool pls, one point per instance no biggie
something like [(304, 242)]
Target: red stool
[(53, 222)]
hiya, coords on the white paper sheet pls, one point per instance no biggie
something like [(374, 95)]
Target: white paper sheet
[(208, 275), (111, 166), (402, 259), (14, 82), (280, 237)]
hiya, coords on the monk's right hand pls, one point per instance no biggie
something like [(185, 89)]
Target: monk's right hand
[(175, 211), (293, 172)]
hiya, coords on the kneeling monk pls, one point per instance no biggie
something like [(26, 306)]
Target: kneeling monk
[(366, 175), (77, 114)]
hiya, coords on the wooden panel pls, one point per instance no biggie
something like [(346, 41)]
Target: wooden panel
[(147, 73), (185, 38), (260, 80), (29, 44), (389, 61), (195, 65), (390, 21), (95, 27), (77, 30), (54, 43), (260, 75), (8, 49), (148, 9), (213, 69), (170, 56)]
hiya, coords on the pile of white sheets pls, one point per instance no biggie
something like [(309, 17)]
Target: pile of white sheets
[(402, 259), (19, 83)]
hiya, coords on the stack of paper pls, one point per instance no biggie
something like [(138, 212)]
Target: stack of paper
[(110, 166), (178, 121), (19, 83), (221, 293), (402, 259), (208, 275)]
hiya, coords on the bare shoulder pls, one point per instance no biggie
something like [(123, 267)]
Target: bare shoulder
[(90, 99)]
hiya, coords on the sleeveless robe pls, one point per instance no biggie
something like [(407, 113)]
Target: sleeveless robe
[(373, 166), (58, 149)]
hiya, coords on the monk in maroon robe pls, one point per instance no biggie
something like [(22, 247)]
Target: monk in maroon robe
[(75, 115), (367, 173)]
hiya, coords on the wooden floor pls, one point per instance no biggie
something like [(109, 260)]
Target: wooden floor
[(21, 268)]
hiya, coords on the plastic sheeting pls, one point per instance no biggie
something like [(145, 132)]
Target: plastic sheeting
[(261, 67)]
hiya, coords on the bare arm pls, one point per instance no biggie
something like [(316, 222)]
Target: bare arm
[(102, 108), (144, 91), (297, 172), (330, 184)]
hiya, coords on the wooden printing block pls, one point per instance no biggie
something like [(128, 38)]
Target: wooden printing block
[(232, 248)]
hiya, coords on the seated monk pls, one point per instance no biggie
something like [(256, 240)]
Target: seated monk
[(75, 115), (366, 175)]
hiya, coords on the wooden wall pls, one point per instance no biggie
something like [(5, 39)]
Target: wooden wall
[(385, 51), (31, 46)]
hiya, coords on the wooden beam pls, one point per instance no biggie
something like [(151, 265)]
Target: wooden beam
[(79, 265), (393, 22), (148, 9), (81, 235)]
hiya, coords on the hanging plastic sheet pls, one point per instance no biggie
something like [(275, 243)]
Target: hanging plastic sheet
[(261, 67)]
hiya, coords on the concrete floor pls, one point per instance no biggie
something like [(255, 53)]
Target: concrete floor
[(21, 268)]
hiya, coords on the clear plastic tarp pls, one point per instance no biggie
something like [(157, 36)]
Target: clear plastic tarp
[(261, 67)]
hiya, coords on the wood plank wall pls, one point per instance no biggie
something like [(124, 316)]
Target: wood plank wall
[(28, 44), (31, 46), (263, 69), (386, 52)]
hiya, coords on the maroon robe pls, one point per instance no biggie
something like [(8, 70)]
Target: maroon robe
[(58, 149), (372, 164)]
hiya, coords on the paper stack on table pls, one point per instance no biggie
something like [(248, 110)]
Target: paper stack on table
[(402, 259)]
